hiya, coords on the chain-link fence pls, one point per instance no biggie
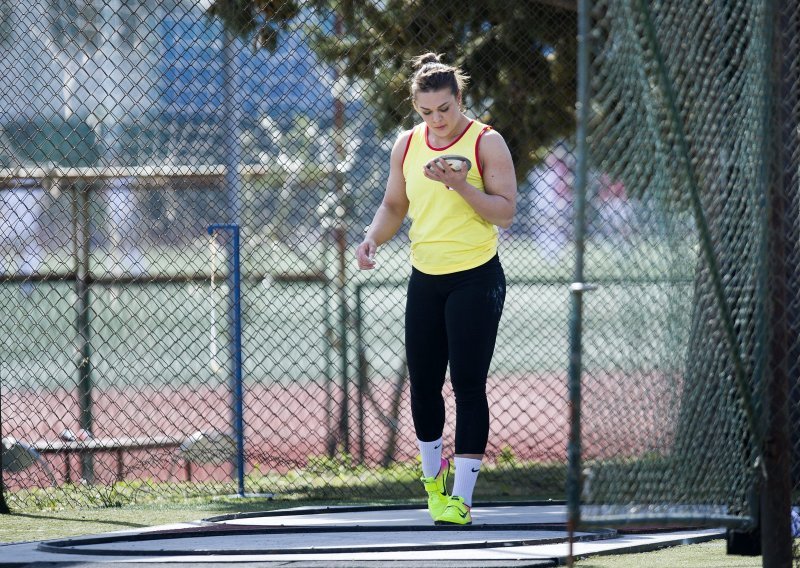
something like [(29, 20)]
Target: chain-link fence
[(128, 128)]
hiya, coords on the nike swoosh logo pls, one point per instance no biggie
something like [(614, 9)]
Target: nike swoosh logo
[(463, 515), (437, 447), (475, 470)]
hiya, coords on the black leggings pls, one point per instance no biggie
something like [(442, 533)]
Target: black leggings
[(453, 318)]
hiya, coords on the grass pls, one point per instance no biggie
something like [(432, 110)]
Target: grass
[(173, 333), (334, 479), (703, 555), (327, 481)]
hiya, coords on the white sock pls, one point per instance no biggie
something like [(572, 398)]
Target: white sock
[(431, 453), (467, 470)]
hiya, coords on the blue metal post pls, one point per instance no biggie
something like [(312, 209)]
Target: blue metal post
[(236, 320)]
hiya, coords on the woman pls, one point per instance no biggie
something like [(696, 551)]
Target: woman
[(457, 287)]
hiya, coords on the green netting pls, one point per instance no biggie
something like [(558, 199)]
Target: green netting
[(678, 108), (790, 114)]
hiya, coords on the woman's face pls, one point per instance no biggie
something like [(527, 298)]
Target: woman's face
[(440, 110)]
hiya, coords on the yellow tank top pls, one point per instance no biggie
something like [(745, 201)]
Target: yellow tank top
[(447, 235)]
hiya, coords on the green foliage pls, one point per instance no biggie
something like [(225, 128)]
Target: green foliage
[(63, 142), (506, 457), (520, 57), (340, 461), (263, 19)]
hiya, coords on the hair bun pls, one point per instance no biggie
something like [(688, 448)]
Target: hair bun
[(425, 58), (430, 74)]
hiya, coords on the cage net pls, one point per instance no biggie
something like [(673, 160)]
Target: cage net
[(128, 128), (789, 112), (674, 351)]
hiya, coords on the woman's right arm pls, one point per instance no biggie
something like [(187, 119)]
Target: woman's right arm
[(392, 211)]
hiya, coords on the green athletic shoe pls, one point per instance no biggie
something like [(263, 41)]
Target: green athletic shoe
[(437, 490), (456, 513)]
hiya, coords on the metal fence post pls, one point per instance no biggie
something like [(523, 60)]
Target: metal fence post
[(232, 117), (4, 510), (81, 189), (362, 372), (578, 286), (340, 236), (236, 332), (776, 496)]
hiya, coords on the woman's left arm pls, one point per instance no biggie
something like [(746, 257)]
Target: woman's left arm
[(498, 202)]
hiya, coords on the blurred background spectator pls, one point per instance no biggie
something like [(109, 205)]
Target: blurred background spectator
[(551, 202)]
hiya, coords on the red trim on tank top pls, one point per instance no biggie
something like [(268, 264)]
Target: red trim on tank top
[(477, 151), (460, 136)]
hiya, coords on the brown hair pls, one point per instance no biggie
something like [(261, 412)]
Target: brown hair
[(432, 75)]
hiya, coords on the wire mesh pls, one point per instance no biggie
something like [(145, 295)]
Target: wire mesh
[(789, 102), (130, 127), (127, 128), (679, 109)]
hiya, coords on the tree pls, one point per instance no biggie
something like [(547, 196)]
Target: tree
[(520, 56)]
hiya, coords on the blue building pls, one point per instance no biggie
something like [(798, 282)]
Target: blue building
[(133, 83)]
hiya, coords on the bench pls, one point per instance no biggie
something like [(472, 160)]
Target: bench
[(119, 445)]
